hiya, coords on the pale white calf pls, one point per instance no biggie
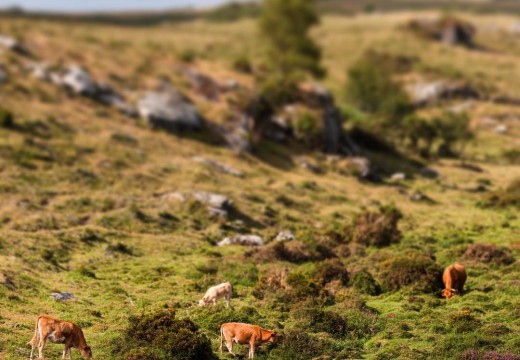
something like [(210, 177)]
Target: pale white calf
[(216, 292)]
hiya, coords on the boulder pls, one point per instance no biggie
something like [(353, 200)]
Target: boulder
[(423, 93), (284, 236), (358, 166), (244, 240), (79, 81), (63, 296), (39, 71), (219, 167), (449, 30), (13, 45), (235, 133), (398, 177), (429, 173), (216, 204), (168, 109)]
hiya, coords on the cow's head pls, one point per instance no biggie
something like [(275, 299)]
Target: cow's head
[(448, 293), (86, 352), (203, 302), (274, 337)]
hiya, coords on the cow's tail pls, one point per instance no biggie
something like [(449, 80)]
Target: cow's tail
[(221, 336), (34, 340)]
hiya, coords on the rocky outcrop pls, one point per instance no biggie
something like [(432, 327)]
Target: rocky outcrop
[(13, 45), (168, 109), (424, 93), (219, 167), (449, 30), (243, 240)]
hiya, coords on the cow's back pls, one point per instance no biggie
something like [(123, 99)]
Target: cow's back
[(241, 333)]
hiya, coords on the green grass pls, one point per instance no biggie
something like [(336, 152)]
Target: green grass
[(81, 213)]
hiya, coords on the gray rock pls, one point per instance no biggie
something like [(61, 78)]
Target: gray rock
[(429, 173), (173, 196), (235, 133), (79, 81), (39, 71), (284, 236), (244, 240), (398, 177), (63, 296), (203, 85), (170, 110), (218, 166), (216, 204), (309, 165), (501, 129), (425, 93), (13, 45)]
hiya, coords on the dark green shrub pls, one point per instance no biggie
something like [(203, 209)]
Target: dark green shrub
[(330, 270), (316, 320), (372, 88), (6, 118), (463, 321), (364, 282), (452, 129), (488, 253), (411, 269), (508, 197), (160, 336), (243, 65), (307, 128), (188, 56), (377, 228), (299, 345)]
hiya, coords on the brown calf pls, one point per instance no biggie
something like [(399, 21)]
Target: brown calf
[(454, 278), (245, 334), (59, 332)]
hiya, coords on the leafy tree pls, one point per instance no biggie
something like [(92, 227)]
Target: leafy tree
[(292, 53)]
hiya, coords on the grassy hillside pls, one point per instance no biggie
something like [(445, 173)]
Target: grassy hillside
[(82, 209)]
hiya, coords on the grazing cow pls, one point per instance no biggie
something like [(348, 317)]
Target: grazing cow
[(59, 332), (245, 334), (454, 278), (214, 293)]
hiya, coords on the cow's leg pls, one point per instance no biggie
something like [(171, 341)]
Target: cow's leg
[(41, 345), (70, 353), (214, 301), (251, 349), (229, 345), (228, 298)]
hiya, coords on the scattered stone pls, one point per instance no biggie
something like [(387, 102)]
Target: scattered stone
[(216, 204), (7, 281), (309, 165), (357, 166), (63, 296), (425, 93), (79, 81), (284, 236), (39, 71), (429, 173), (218, 166), (501, 129), (235, 133), (13, 45), (449, 30), (418, 196), (176, 196), (244, 240), (3, 75), (168, 109), (398, 177)]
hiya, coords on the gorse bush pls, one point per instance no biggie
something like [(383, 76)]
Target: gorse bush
[(365, 283), (160, 336), (372, 88), (291, 53), (412, 269), (377, 228), (330, 270), (488, 253)]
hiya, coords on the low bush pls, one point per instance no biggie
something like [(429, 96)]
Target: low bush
[(377, 228), (6, 118), (316, 320), (488, 253), (243, 65), (412, 269), (307, 129), (472, 354), (508, 197), (299, 345), (364, 282), (330, 270), (160, 336), (463, 321)]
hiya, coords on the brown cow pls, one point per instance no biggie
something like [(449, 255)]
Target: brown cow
[(454, 278), (245, 334), (59, 332)]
